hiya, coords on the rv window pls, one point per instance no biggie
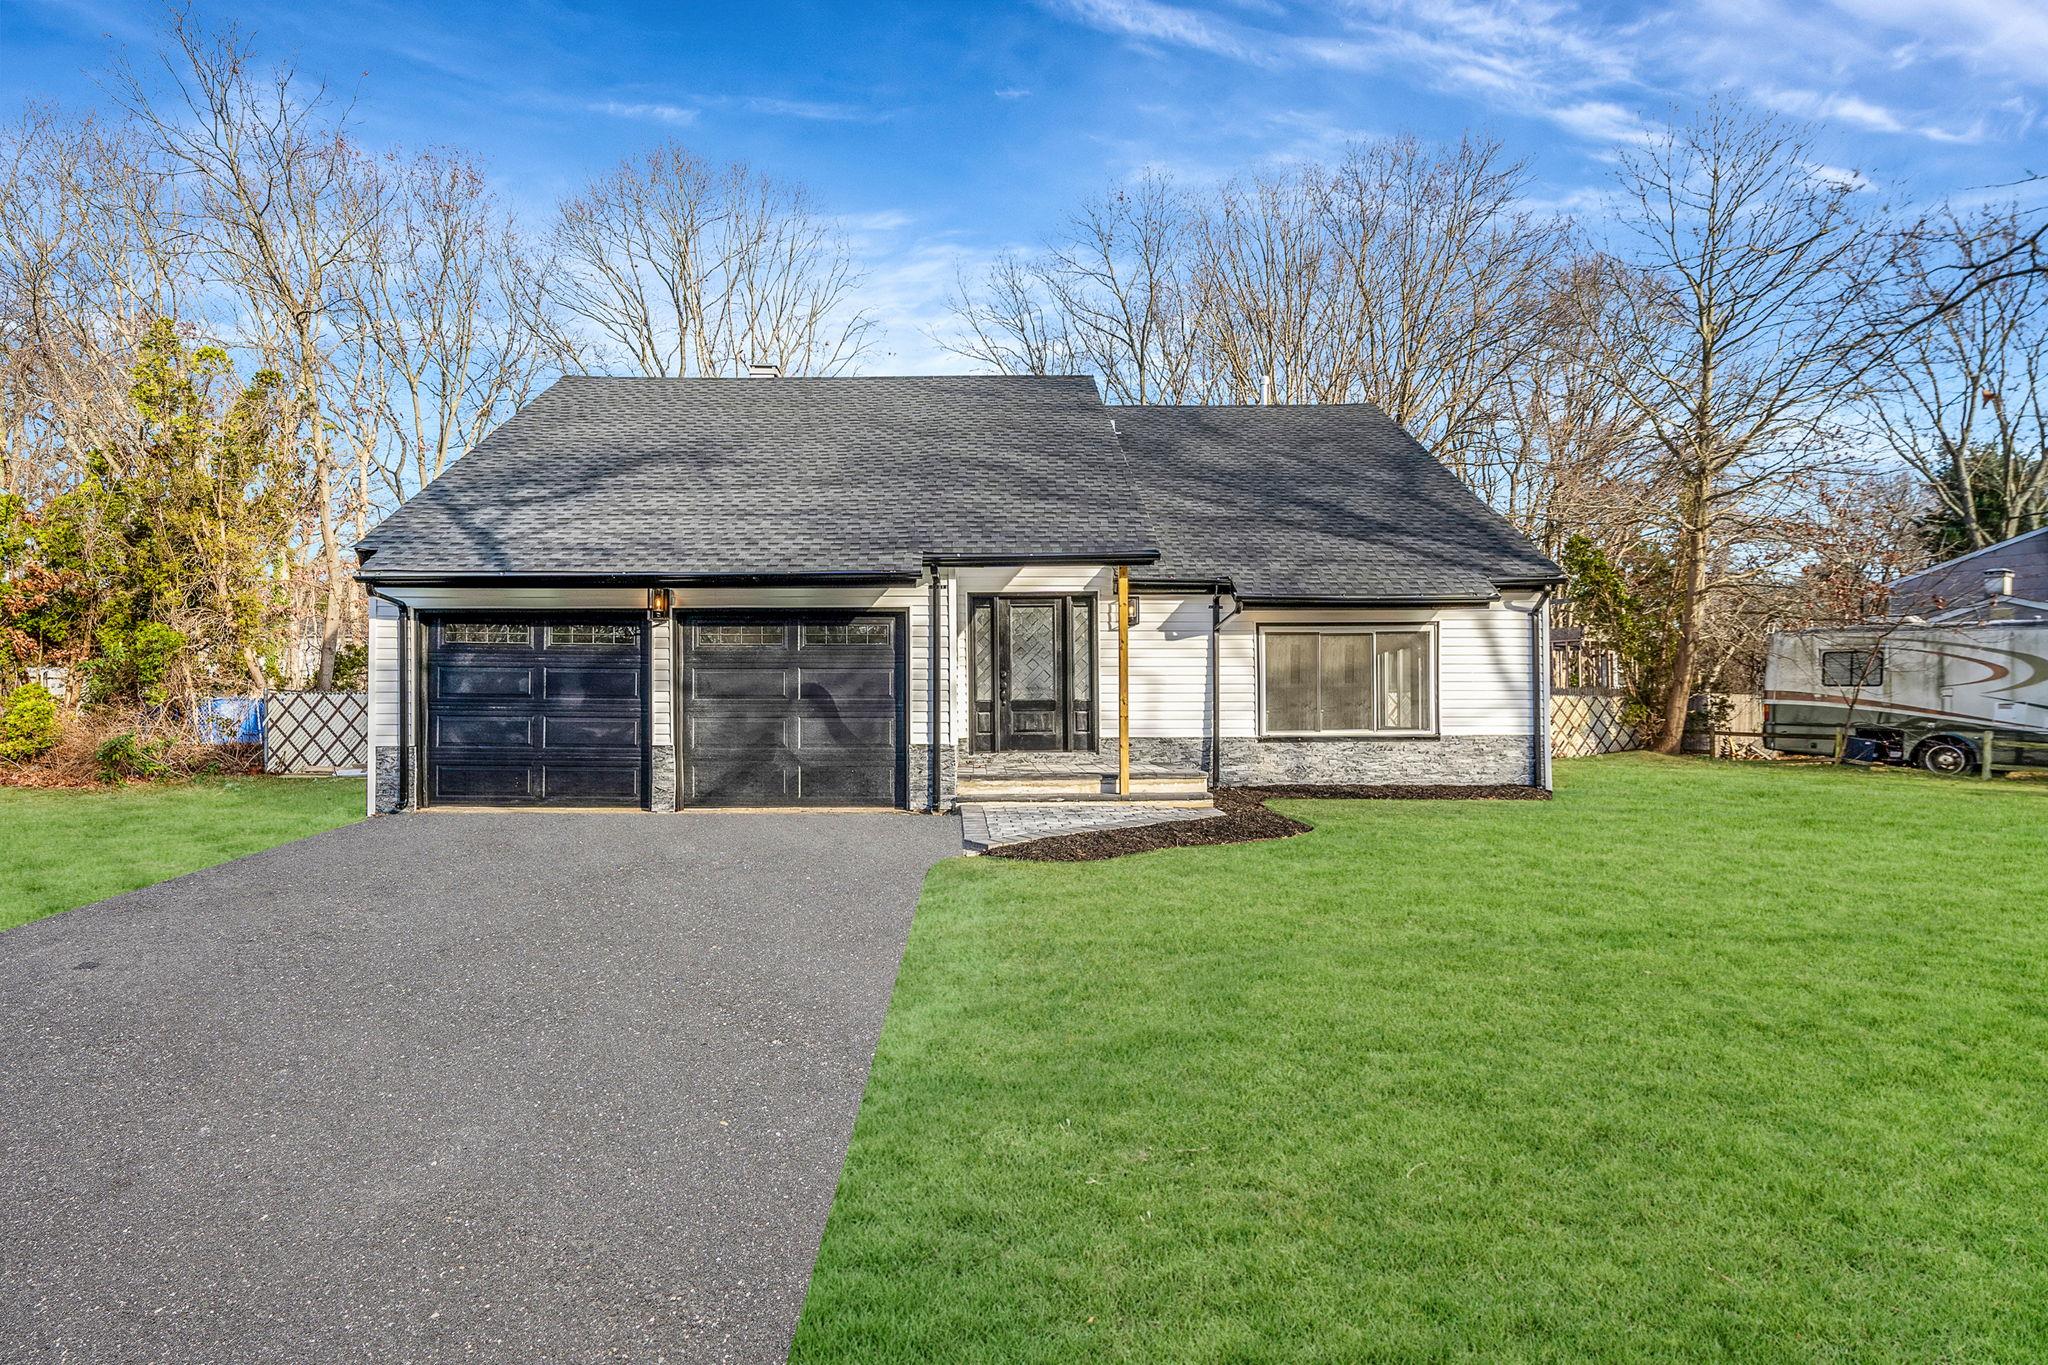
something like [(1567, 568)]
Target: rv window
[(1852, 668)]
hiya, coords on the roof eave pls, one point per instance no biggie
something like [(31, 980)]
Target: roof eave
[(1369, 600), (427, 578)]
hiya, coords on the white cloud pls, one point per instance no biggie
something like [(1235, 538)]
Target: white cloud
[(674, 115), (1853, 111), (1150, 20), (824, 111), (1013, 92)]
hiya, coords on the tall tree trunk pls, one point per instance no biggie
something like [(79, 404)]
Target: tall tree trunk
[(1692, 613), (331, 605)]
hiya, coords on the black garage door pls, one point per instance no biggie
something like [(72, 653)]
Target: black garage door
[(793, 710), (536, 711)]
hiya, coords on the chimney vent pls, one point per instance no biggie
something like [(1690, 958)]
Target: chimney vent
[(1267, 395), (762, 369), (1998, 582)]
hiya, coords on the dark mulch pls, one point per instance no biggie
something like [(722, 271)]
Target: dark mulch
[(1246, 819)]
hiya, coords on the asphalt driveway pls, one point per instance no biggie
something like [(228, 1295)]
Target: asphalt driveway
[(499, 1087)]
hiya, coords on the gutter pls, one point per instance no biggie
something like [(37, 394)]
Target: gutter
[(1466, 600), (999, 561), (612, 580)]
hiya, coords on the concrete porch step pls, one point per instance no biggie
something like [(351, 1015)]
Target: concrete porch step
[(1191, 796), (1025, 786)]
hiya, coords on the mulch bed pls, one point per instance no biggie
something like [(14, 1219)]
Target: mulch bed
[(1246, 819)]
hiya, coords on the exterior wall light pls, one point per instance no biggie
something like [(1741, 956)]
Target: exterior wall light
[(657, 601)]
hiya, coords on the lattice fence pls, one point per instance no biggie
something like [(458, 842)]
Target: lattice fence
[(1583, 724), (315, 732)]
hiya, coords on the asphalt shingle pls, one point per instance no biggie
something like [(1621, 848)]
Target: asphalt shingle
[(683, 477), (674, 478), (1325, 501)]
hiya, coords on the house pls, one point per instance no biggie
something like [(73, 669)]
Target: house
[(668, 593), (2003, 582)]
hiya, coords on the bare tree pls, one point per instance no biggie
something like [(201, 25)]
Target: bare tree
[(1571, 454), (1265, 273), (1962, 398), (266, 170), (1007, 322), (671, 266), (1114, 294), (1441, 276), (442, 309), (1407, 275), (1739, 355), (88, 261)]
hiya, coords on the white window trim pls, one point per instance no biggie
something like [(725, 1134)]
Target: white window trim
[(1436, 694)]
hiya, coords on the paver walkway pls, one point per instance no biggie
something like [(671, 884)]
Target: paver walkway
[(993, 825)]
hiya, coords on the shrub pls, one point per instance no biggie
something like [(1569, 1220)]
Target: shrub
[(124, 755), (28, 725), (352, 668), (133, 664)]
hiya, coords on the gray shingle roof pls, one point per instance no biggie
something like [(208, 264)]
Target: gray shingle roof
[(683, 477), (675, 478), (1315, 501), (1959, 582)]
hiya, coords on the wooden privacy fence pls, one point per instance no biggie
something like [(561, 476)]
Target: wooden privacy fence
[(1585, 724), (315, 732)]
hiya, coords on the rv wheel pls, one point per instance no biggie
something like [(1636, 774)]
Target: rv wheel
[(1949, 757)]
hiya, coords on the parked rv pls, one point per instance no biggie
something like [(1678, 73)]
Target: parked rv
[(1911, 692)]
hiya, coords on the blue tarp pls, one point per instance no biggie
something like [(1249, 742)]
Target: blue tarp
[(231, 720)]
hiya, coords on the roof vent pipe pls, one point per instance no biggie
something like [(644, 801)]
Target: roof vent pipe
[(762, 369), (1998, 582), (1266, 393)]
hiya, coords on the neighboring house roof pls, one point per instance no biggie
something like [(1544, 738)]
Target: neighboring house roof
[(775, 477), (1322, 501), (790, 478), (1956, 586)]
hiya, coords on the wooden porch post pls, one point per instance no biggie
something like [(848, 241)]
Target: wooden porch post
[(1123, 680)]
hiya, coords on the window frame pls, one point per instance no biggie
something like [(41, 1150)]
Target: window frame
[(1871, 675), (1427, 629), (444, 624), (632, 630)]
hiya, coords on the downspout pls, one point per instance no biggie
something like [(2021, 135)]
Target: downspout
[(932, 649), (1216, 620), (404, 709), (675, 702), (1539, 690), (1123, 680)]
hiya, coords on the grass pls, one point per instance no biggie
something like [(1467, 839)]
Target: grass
[(68, 848), (1698, 1061)]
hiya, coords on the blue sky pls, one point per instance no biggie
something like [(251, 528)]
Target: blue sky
[(944, 133)]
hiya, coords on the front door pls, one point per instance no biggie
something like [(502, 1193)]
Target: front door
[(1034, 672)]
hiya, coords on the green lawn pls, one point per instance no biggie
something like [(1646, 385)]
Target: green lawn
[(60, 849), (1699, 1060)]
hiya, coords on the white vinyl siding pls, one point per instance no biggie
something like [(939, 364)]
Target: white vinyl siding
[(1482, 664), (1483, 653)]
